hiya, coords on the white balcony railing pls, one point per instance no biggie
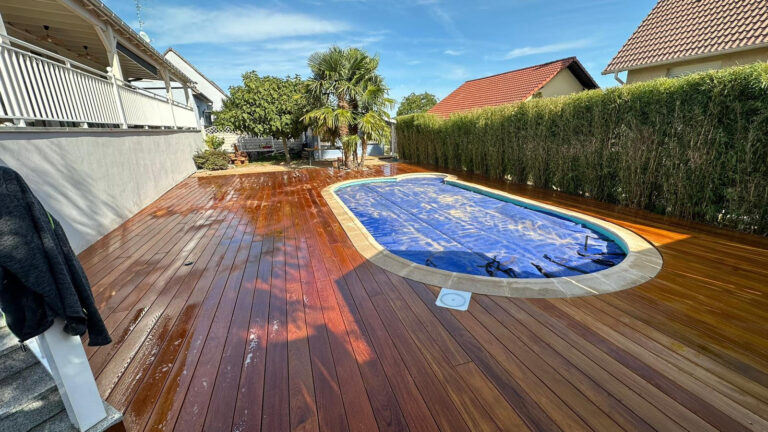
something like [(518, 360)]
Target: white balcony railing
[(55, 88)]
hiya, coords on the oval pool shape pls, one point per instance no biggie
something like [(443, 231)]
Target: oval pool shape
[(438, 230)]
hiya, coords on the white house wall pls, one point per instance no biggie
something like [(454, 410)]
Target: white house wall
[(202, 83), (94, 180)]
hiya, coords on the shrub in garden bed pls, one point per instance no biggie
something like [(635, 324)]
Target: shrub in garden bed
[(694, 147), (212, 160), (214, 142)]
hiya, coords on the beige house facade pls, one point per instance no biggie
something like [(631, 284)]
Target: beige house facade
[(700, 64), (681, 37), (564, 83)]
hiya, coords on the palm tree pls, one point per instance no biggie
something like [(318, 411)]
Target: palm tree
[(371, 122), (325, 123), (344, 88)]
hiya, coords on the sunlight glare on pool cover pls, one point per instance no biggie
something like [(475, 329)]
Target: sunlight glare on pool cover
[(429, 222)]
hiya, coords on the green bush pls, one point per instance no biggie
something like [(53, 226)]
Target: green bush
[(694, 147), (213, 142), (212, 160)]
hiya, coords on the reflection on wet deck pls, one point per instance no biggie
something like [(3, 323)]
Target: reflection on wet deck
[(239, 303)]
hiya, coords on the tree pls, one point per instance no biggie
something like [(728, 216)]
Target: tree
[(266, 106), (416, 103), (371, 122), (343, 89)]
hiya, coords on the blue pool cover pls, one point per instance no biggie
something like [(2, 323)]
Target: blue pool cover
[(437, 224)]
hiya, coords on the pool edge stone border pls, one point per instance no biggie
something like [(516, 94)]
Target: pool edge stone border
[(642, 263)]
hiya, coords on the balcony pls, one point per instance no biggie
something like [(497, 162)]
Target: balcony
[(39, 87)]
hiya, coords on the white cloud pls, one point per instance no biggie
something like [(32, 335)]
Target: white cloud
[(453, 52), (455, 73), (305, 47), (441, 17), (543, 49), (180, 25)]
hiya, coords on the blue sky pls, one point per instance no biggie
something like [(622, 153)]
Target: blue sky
[(424, 45)]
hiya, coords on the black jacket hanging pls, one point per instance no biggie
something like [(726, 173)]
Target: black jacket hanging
[(40, 276)]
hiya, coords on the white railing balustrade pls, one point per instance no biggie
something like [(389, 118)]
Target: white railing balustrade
[(145, 108), (55, 88), (185, 116)]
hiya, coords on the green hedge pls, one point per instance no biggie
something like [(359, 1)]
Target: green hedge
[(693, 147)]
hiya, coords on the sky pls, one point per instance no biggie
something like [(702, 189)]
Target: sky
[(424, 45)]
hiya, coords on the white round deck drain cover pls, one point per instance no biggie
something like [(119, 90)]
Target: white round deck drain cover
[(453, 299)]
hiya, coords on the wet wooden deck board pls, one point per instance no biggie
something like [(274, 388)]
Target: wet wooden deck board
[(238, 303)]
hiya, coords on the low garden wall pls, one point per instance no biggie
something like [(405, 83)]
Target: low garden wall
[(694, 147), (92, 180)]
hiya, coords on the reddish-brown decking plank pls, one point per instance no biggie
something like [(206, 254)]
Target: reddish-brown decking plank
[(562, 375), (494, 402), (381, 393), (180, 313), (141, 303), (279, 324), (275, 414), (391, 308), (211, 285), (534, 331)]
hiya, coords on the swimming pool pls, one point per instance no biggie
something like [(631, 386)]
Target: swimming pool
[(439, 230)]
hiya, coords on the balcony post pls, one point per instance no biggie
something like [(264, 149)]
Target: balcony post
[(169, 94), (4, 40), (3, 31), (67, 362), (109, 40), (187, 96), (118, 99)]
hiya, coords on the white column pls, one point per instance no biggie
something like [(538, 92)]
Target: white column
[(187, 95), (118, 100), (167, 81), (109, 40), (70, 369), (4, 40), (169, 93), (3, 31)]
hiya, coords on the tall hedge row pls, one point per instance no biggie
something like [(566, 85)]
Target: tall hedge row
[(693, 147)]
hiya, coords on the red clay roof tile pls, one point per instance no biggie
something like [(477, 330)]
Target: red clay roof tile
[(676, 29), (502, 89)]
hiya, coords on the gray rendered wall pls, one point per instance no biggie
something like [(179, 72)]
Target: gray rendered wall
[(93, 180)]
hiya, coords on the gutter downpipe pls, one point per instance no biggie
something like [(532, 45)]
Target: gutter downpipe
[(618, 80)]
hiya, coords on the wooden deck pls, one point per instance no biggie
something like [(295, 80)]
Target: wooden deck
[(238, 303)]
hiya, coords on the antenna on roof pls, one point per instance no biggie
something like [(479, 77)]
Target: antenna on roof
[(138, 15), (142, 33)]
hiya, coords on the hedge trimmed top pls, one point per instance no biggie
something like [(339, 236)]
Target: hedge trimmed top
[(694, 147)]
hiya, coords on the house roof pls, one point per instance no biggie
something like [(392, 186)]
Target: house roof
[(184, 59), (124, 29), (684, 29), (509, 87), (77, 31)]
